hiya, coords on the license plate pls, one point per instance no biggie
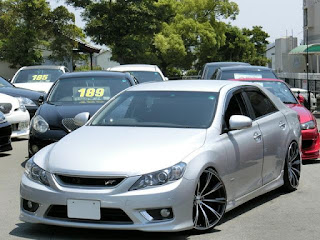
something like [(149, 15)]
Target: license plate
[(23, 125), (83, 209)]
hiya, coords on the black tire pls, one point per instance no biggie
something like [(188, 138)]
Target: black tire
[(292, 168), (210, 201)]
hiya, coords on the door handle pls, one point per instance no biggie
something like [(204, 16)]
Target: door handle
[(282, 125), (257, 136)]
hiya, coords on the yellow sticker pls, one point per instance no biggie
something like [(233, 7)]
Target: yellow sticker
[(40, 77), (91, 92)]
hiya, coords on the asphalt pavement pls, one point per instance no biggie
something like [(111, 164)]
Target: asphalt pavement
[(275, 215)]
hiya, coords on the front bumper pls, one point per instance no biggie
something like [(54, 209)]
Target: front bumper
[(20, 122), (310, 144), (177, 195)]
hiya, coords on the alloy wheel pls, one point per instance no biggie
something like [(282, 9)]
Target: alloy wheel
[(293, 164), (210, 201)]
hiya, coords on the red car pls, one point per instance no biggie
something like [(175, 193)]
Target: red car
[(309, 129)]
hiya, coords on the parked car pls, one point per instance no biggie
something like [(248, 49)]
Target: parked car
[(16, 114), (38, 78), (143, 72), (5, 133), (304, 93), (71, 94), (29, 98), (238, 72), (309, 129), (210, 68), (166, 156)]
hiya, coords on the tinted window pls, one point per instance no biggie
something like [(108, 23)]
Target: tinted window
[(86, 90), (159, 109), (147, 76), (279, 89), (4, 83), (260, 103), (38, 75), (236, 74), (236, 106)]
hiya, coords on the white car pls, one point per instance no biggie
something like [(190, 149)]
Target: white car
[(304, 93), (16, 114), (142, 72), (38, 78)]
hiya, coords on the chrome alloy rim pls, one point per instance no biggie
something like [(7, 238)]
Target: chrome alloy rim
[(294, 164), (209, 201)]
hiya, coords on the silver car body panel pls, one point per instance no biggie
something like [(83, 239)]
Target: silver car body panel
[(132, 151)]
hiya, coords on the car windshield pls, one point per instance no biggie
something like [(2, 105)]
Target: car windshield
[(143, 76), (159, 109), (236, 74), (86, 90), (37, 75), (4, 83), (279, 89)]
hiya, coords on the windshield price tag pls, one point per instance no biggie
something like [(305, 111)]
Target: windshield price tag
[(91, 93), (40, 77)]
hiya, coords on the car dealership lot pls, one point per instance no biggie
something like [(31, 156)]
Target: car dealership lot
[(271, 216)]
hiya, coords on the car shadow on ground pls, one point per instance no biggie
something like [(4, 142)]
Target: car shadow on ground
[(38, 231), (309, 162)]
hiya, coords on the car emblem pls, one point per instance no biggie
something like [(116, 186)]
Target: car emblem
[(109, 182)]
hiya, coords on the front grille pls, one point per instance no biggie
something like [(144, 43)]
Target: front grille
[(68, 123), (306, 144), (108, 215), (89, 181), (5, 107), (20, 126), (15, 127)]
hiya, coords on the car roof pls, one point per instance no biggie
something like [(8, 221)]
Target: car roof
[(42, 67), (137, 67), (188, 85), (94, 74), (226, 63), (251, 68), (257, 79)]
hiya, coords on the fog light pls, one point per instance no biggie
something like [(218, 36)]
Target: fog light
[(165, 212), (35, 148), (29, 205)]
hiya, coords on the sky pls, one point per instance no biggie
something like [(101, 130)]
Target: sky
[(279, 18)]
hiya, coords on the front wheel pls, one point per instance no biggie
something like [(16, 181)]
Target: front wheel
[(292, 168), (210, 201)]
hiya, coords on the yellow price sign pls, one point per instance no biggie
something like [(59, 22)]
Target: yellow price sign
[(91, 92), (40, 77)]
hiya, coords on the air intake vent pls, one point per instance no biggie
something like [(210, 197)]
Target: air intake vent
[(68, 123)]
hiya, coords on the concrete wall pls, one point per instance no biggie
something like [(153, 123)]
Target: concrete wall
[(6, 71), (103, 60), (311, 20)]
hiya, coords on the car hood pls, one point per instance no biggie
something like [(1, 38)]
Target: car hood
[(54, 114), (22, 92), (304, 114), (40, 87), (121, 151)]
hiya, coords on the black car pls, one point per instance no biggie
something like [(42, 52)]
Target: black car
[(71, 94), (27, 97), (238, 72), (5, 133), (210, 68)]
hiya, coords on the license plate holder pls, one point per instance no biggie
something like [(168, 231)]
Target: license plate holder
[(83, 209)]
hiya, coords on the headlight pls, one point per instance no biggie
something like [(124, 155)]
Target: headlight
[(26, 102), (36, 173), (39, 124), (2, 118), (308, 125), (160, 177)]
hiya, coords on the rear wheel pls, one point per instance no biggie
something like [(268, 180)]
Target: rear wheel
[(292, 168), (210, 201)]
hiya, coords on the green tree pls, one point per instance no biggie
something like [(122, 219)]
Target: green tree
[(30, 27)]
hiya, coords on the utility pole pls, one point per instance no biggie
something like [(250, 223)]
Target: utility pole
[(308, 85)]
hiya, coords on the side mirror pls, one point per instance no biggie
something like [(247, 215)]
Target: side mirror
[(41, 100), (166, 79), (238, 122), (81, 119)]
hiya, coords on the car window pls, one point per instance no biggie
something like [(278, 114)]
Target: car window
[(37, 75), (236, 106), (261, 104), (214, 76), (4, 83), (84, 90), (144, 76), (240, 74), (159, 109)]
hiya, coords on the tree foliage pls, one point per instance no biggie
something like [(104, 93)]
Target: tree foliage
[(30, 27), (176, 35)]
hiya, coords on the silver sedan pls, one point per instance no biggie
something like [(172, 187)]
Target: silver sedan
[(166, 156)]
